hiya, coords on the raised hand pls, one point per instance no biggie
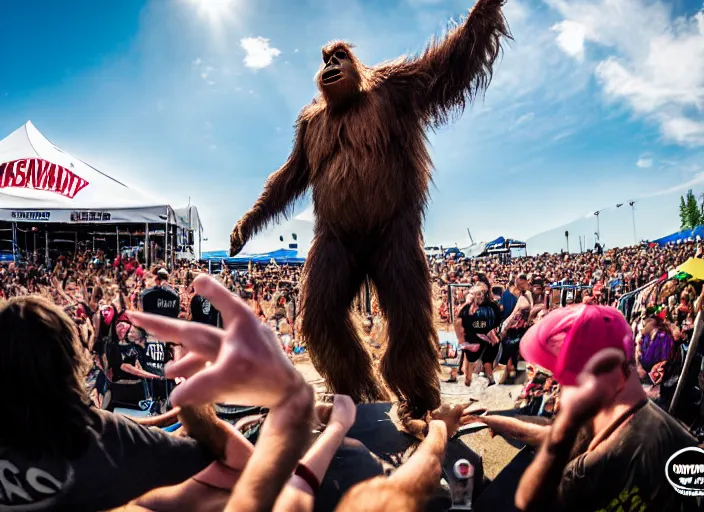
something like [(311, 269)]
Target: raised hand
[(472, 414), (597, 386), (343, 413), (247, 365), (451, 415)]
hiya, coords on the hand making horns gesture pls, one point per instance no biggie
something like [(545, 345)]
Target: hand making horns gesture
[(248, 366)]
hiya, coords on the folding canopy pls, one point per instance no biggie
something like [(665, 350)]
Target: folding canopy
[(502, 244), (281, 256), (681, 236), (694, 267), (39, 182)]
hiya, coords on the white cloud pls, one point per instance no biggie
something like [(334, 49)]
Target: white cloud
[(653, 62), (570, 38), (644, 162), (696, 180), (259, 53), (206, 73), (197, 62), (525, 118), (684, 130)]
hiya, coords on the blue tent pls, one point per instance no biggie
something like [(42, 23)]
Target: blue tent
[(502, 244), (280, 256), (6, 256), (496, 245), (681, 236)]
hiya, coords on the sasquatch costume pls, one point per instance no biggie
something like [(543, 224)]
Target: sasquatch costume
[(361, 147)]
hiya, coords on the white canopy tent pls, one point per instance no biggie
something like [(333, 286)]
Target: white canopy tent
[(39, 182), (302, 226), (42, 184), (188, 219)]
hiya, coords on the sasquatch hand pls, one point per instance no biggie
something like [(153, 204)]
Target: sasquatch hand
[(237, 239)]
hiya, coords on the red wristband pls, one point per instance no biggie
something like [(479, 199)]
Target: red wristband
[(309, 477)]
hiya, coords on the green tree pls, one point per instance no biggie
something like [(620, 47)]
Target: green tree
[(691, 212)]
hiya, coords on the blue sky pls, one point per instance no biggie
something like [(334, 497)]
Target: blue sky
[(595, 102)]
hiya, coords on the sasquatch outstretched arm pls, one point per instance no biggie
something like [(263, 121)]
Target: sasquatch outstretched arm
[(452, 70), (281, 189)]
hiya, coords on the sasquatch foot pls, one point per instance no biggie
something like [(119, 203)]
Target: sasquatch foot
[(418, 426), (414, 420)]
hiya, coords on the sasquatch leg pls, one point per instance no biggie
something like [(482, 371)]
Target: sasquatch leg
[(330, 282), (410, 365)]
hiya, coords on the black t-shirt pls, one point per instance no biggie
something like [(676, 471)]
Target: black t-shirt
[(119, 354), (161, 300), (484, 320), (123, 461), (153, 357), (630, 474), (202, 311)]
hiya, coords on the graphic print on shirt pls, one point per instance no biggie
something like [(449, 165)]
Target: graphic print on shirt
[(628, 500), (202, 311), (161, 300), (29, 488), (154, 357)]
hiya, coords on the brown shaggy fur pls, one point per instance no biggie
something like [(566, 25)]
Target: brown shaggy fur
[(361, 147)]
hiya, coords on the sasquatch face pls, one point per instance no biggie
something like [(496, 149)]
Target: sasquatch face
[(339, 76)]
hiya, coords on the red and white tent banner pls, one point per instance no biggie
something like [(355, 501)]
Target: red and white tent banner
[(39, 182), (38, 174)]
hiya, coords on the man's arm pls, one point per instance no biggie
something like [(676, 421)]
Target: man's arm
[(298, 495), (136, 371), (217, 437), (538, 485), (459, 330), (523, 431), (521, 304), (283, 437)]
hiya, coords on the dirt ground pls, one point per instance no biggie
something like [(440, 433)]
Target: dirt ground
[(495, 452)]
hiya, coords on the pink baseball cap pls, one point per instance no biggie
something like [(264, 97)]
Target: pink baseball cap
[(566, 338)]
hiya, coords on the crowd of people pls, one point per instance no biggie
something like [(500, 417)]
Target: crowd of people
[(495, 302), (631, 266), (85, 316)]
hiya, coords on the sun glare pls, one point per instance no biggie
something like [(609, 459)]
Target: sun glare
[(213, 10)]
